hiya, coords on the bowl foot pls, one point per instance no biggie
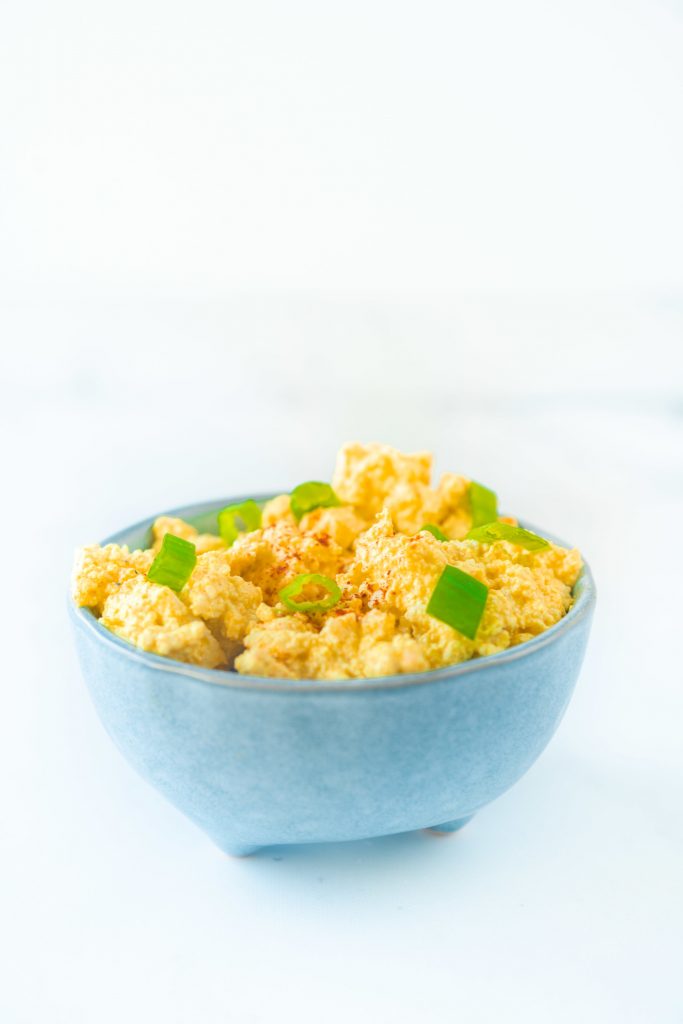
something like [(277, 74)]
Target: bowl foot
[(448, 827), (239, 849)]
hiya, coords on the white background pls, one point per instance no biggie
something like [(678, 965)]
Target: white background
[(231, 237)]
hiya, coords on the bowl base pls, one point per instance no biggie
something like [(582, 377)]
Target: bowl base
[(447, 828), (240, 850)]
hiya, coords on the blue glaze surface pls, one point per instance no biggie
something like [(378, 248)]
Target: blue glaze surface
[(257, 762)]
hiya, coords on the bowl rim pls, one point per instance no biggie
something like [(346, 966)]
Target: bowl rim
[(583, 606)]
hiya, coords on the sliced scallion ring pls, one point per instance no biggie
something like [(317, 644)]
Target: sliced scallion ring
[(288, 594), (236, 519), (312, 494)]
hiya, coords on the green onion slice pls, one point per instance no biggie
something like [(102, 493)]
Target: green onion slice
[(236, 519), (310, 495), (459, 601), (434, 530), (288, 593), (483, 504), (174, 562), (492, 532)]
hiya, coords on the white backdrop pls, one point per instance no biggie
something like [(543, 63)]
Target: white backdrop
[(232, 237), (177, 148)]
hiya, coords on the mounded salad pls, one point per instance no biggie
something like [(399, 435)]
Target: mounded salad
[(375, 573)]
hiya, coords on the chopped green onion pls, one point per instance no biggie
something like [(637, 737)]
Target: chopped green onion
[(288, 593), (434, 530), (458, 600), (492, 532), (483, 504), (236, 519), (174, 562), (308, 496)]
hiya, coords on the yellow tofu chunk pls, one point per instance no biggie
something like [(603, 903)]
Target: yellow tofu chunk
[(272, 557), (228, 604), (155, 619), (347, 646), (99, 571)]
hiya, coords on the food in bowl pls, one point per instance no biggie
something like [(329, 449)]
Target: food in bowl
[(378, 573)]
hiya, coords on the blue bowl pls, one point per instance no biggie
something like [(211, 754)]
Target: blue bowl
[(257, 762)]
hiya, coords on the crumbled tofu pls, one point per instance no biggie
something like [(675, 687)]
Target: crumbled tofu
[(375, 476), (270, 558), (455, 518), (154, 618), (98, 572), (372, 546), (528, 591), (347, 646), (228, 604), (277, 510), (341, 523)]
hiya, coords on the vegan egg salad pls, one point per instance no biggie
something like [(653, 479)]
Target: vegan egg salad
[(375, 574)]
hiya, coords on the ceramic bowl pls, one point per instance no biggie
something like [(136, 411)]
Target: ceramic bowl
[(256, 762)]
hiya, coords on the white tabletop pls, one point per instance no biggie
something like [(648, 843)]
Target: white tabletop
[(560, 902)]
